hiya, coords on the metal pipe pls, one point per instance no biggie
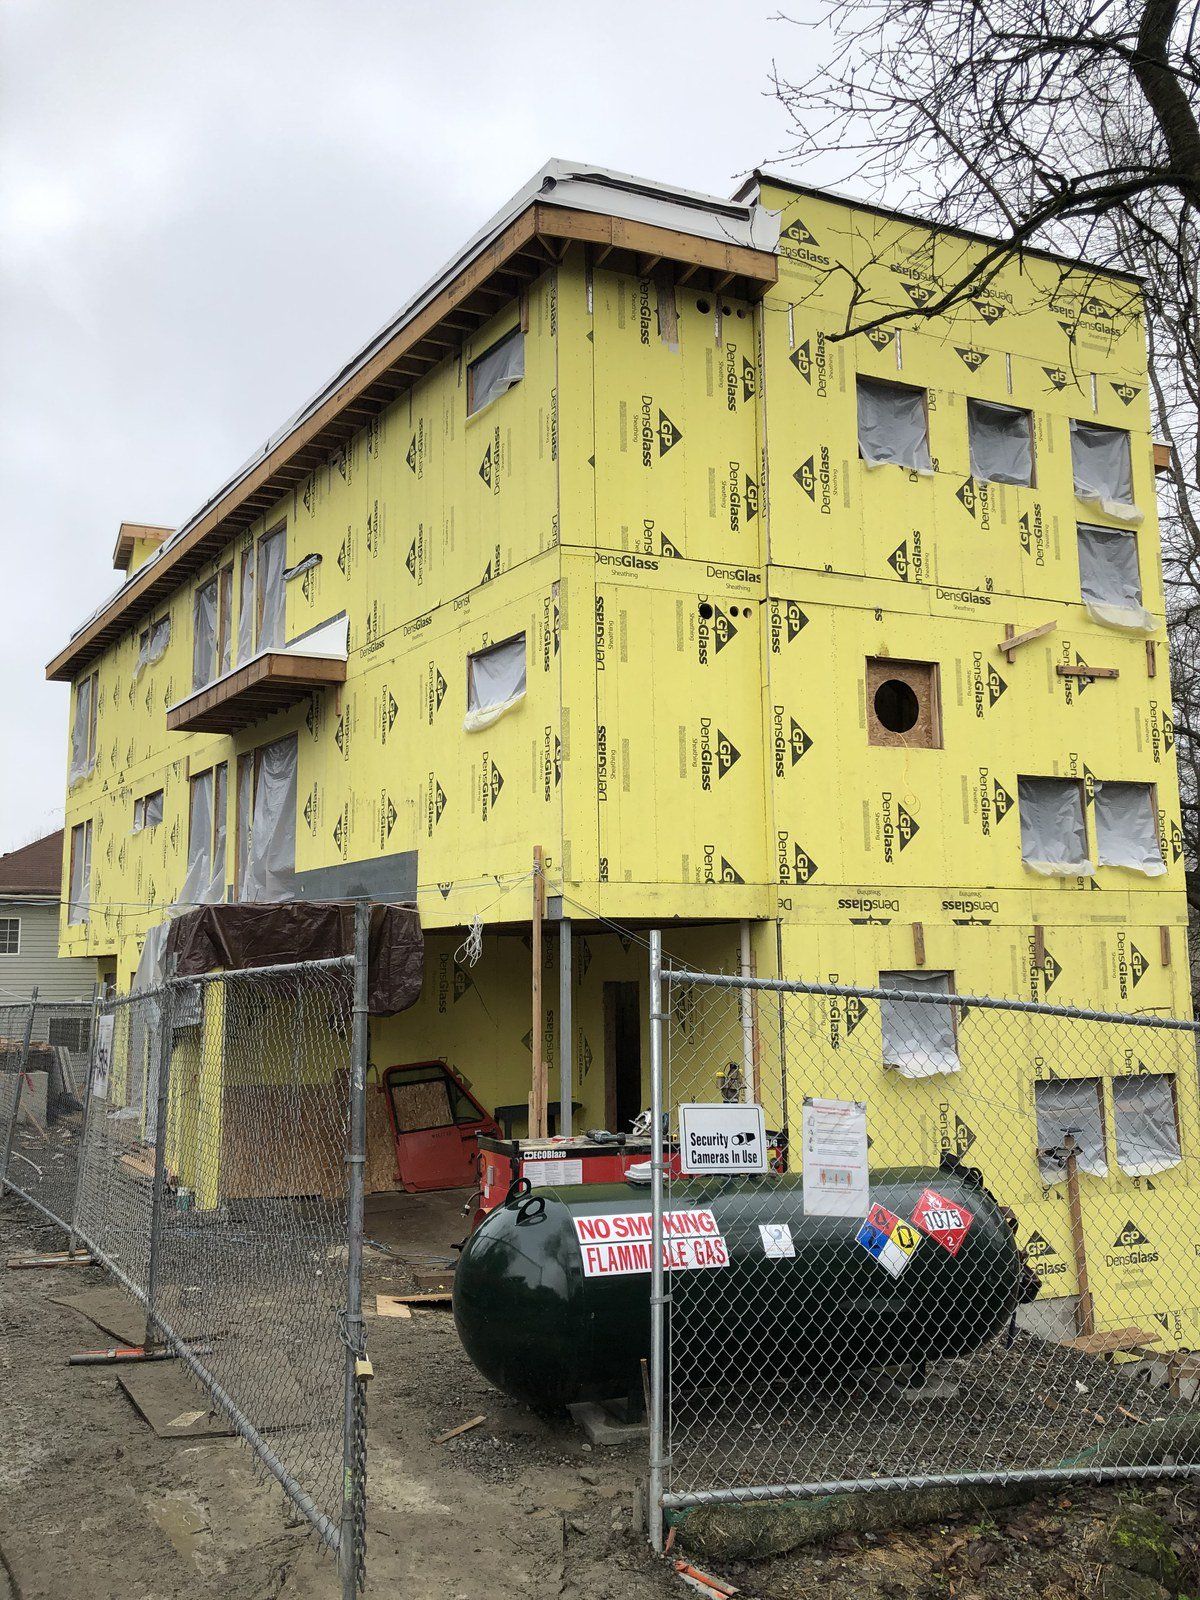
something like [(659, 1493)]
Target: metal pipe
[(566, 1072), (162, 1086), (727, 980), (932, 1480), (654, 1496), (353, 1470), (745, 1006), (22, 1068)]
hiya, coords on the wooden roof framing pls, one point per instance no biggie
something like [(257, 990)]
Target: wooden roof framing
[(539, 237)]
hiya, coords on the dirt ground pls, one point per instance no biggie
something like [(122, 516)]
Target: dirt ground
[(94, 1504)]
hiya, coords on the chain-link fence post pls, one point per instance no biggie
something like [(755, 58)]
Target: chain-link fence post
[(654, 1510), (22, 1067), (166, 1023), (352, 1547), (72, 1220)]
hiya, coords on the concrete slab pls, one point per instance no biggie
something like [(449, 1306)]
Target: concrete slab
[(604, 1428)]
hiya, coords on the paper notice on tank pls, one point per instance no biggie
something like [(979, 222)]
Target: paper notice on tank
[(836, 1182), (614, 1244)]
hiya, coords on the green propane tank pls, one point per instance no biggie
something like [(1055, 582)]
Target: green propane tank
[(552, 1292)]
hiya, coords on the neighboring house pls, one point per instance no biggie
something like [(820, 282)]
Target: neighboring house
[(30, 880), (608, 544)]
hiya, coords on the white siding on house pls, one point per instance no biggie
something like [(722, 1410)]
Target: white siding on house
[(38, 961)]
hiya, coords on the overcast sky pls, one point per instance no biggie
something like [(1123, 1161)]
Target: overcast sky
[(205, 209)]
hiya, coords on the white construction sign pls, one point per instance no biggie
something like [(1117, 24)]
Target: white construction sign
[(722, 1137), (836, 1182)]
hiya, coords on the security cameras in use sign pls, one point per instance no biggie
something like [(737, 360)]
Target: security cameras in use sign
[(721, 1137)]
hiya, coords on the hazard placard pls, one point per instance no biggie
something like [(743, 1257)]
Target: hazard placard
[(889, 1239), (943, 1220)]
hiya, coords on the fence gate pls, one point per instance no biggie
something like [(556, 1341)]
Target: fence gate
[(209, 1151), (973, 1254)]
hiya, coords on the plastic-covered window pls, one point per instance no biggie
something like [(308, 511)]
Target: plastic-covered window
[(272, 559), (919, 1039), (1109, 581), (1103, 468), (79, 903), (495, 682), (1069, 1105), (893, 428), (83, 730), (1053, 829), (1146, 1126), (245, 629), (148, 811), (152, 645), (271, 859), (1001, 442), (245, 820), (1126, 835), (204, 636), (495, 371)]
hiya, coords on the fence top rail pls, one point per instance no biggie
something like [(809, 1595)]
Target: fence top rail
[(289, 969), (733, 980)]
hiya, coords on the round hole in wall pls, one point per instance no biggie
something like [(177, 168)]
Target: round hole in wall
[(703, 307), (896, 706), (726, 311), (706, 610), (741, 313)]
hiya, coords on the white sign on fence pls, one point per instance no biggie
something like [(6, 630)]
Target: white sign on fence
[(722, 1137), (102, 1063), (836, 1181)]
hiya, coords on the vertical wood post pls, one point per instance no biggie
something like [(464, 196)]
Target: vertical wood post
[(1085, 1320), (539, 1091)]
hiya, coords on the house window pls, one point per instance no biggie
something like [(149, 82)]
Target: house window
[(1075, 1106), (1147, 1124), (1103, 467), (267, 848), (1053, 827), (83, 728), (205, 881), (72, 1033), (919, 1039), (246, 605), (79, 902), (271, 593), (893, 425), (1126, 834), (495, 371), (1000, 439), (903, 703), (10, 936), (495, 681), (1110, 584), (148, 811), (152, 644), (211, 625)]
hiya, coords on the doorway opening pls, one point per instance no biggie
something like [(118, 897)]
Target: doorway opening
[(622, 1055)]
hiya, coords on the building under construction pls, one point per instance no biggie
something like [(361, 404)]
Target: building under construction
[(835, 657)]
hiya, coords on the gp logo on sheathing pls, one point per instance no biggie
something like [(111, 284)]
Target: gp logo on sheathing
[(945, 1223), (888, 1239)]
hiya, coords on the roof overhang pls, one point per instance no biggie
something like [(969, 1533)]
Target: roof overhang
[(271, 682), (128, 534), (621, 221)]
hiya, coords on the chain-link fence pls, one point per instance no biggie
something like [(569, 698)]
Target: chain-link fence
[(208, 1151), (967, 1248), (44, 1057)]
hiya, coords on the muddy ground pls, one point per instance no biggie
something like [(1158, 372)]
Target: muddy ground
[(94, 1504)]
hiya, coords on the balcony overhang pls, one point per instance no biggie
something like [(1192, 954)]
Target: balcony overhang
[(270, 682)]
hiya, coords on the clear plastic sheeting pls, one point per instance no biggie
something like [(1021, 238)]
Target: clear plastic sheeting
[(1147, 1131), (1053, 830), (272, 559), (893, 429), (495, 371), (79, 908), (245, 628), (204, 635), (1109, 580), (152, 645), (271, 858), (245, 822), (1001, 443), (918, 1040), (1103, 468), (1126, 835), (495, 682), (1064, 1106), (82, 756)]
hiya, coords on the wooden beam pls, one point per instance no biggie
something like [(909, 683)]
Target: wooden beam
[(539, 1094), (918, 932), (1087, 672), (1151, 659), (1013, 641), (1085, 1319), (1164, 946)]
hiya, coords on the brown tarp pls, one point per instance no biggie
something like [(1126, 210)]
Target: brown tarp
[(216, 938)]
